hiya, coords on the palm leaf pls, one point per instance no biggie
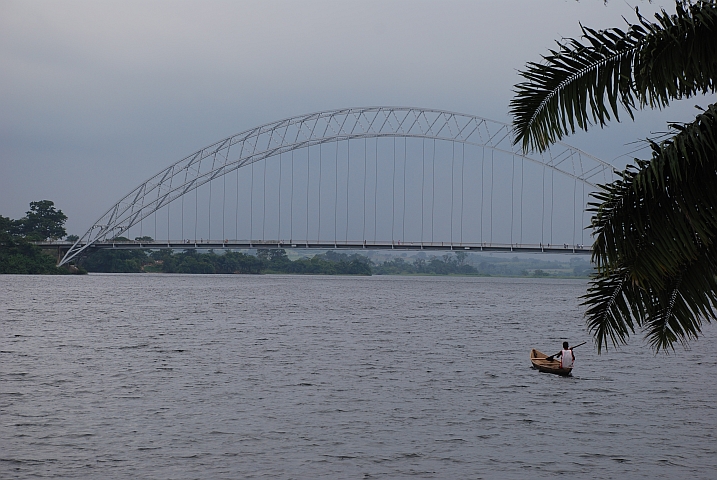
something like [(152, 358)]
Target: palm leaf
[(655, 232), (585, 83)]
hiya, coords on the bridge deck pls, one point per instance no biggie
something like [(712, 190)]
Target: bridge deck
[(411, 246)]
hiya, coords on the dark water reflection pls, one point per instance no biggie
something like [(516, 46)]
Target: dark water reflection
[(160, 376)]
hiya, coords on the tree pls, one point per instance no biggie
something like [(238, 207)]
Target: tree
[(19, 256), (461, 258), (10, 227), (115, 261), (43, 222), (655, 227), (277, 254)]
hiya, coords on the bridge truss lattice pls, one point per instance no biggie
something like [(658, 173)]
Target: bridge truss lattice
[(305, 131)]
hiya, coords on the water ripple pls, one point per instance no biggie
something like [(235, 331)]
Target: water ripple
[(171, 376)]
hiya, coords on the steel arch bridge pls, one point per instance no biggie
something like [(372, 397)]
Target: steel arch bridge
[(304, 131)]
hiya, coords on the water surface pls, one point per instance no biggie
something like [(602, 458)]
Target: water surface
[(183, 376)]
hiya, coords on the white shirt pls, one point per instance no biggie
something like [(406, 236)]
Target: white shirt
[(566, 359)]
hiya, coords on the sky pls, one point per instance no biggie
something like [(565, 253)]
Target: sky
[(97, 96)]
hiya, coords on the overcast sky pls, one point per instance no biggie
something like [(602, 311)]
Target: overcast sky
[(95, 97)]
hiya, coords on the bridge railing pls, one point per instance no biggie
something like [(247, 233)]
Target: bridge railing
[(237, 244)]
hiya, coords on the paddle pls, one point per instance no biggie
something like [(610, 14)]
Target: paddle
[(550, 358)]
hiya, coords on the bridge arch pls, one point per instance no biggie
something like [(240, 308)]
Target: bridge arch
[(304, 131)]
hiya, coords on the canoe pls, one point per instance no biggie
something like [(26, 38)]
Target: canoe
[(540, 361)]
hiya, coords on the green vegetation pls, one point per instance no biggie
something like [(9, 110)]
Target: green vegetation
[(17, 254), (41, 222), (462, 263), (190, 261), (329, 263), (655, 228), (115, 261), (446, 265)]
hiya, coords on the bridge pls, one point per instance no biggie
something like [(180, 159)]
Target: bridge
[(360, 178)]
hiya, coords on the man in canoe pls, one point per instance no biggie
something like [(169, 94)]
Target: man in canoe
[(567, 357)]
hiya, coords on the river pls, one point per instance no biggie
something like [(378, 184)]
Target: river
[(222, 377)]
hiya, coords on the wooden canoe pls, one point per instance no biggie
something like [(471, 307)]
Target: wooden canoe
[(540, 361)]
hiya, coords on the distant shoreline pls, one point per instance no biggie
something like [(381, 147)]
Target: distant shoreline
[(476, 275)]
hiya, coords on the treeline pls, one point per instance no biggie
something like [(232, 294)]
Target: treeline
[(329, 263), (446, 265), (190, 261), (460, 263), (17, 254), (532, 267)]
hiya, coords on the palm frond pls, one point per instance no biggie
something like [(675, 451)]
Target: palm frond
[(610, 297), (680, 309), (585, 83), (655, 229)]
